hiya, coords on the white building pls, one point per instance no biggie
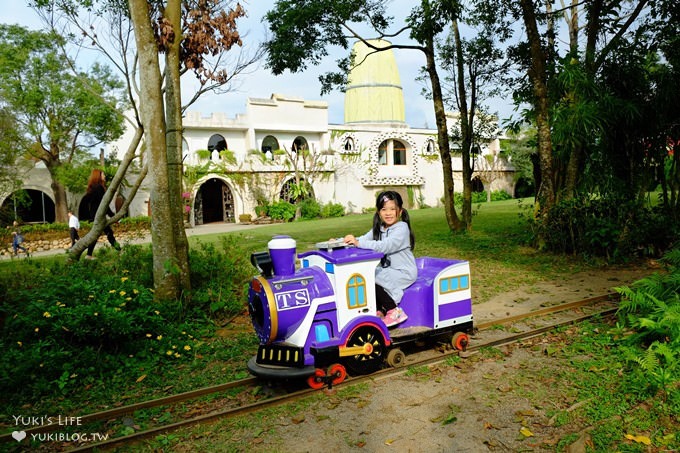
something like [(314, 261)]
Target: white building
[(248, 158)]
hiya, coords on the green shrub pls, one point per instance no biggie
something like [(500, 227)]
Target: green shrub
[(651, 308), (219, 278), (332, 210), (310, 209), (613, 228), (282, 210), (64, 326)]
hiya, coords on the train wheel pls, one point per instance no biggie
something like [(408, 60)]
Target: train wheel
[(396, 358), (316, 380), (337, 373), (369, 338), (460, 341)]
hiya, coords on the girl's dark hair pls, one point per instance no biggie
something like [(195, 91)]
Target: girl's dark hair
[(384, 197)]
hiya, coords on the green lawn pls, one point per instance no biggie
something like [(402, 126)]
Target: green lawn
[(496, 247)]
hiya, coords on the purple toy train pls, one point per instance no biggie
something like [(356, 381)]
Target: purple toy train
[(320, 320)]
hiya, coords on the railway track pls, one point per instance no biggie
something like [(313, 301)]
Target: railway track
[(603, 305)]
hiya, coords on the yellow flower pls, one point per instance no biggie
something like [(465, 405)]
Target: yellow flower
[(124, 279), (47, 314), (169, 352), (174, 347), (96, 314), (187, 348), (37, 329), (159, 337), (157, 312), (116, 309), (122, 293), (135, 291), (91, 296), (178, 355), (113, 291), (128, 298), (148, 335), (20, 343)]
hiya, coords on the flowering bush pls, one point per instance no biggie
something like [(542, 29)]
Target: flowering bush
[(65, 327)]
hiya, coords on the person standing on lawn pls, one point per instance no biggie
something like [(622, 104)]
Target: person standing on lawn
[(73, 227), (96, 188)]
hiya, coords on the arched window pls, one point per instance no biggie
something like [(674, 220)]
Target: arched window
[(349, 144), (270, 143), (299, 144), (430, 147), (287, 190), (356, 291), (185, 152), (392, 152), (217, 143), (382, 153), (398, 153)]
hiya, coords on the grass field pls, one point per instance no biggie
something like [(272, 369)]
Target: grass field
[(497, 246)]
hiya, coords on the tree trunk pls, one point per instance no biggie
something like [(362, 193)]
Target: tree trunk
[(60, 197), (442, 140), (466, 120), (173, 112), (165, 263), (538, 77)]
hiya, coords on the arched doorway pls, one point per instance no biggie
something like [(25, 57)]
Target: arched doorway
[(477, 184), (29, 206), (214, 203)]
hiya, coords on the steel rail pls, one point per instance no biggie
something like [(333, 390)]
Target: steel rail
[(379, 375), (168, 400)]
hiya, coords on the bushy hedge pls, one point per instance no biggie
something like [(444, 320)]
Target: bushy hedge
[(310, 208), (332, 210), (612, 228), (65, 326), (281, 210)]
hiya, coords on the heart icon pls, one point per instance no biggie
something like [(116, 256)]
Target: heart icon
[(19, 435)]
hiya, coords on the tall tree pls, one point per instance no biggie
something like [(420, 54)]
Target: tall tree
[(187, 36), (328, 22), (475, 66), (13, 162), (64, 115)]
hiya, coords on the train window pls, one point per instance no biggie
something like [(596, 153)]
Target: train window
[(356, 291), (451, 284)]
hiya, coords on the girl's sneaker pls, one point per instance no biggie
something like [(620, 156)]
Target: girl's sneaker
[(394, 317)]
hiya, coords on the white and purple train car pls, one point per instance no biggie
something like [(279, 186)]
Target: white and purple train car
[(319, 320)]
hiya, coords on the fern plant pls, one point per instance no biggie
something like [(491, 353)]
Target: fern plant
[(651, 309), (660, 365)]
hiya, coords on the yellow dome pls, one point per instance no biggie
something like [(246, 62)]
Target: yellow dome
[(374, 93)]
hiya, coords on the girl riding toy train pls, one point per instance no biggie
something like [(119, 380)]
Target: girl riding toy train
[(353, 302)]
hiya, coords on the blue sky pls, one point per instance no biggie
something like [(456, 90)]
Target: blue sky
[(262, 84)]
